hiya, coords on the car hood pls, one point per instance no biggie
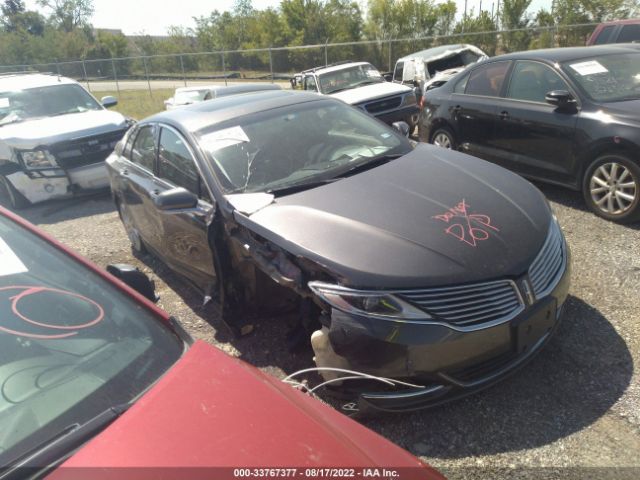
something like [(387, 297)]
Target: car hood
[(31, 134), (624, 112), (370, 92), (403, 224), (212, 410)]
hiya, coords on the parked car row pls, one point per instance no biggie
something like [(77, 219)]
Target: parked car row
[(190, 95), (419, 274)]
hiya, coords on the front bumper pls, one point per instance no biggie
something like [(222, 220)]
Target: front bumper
[(450, 362), (54, 183)]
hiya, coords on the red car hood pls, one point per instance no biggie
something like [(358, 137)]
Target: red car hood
[(211, 410)]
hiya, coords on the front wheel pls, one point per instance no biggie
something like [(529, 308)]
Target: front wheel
[(443, 138), (611, 188)]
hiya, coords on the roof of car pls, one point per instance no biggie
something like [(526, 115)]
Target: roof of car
[(22, 81), (569, 53), (626, 21), (341, 66), (435, 51), (204, 114)]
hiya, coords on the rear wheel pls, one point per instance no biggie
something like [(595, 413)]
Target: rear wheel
[(444, 138), (137, 245), (611, 188), (15, 199)]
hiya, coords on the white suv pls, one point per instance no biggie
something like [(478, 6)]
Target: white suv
[(360, 84), (54, 138)]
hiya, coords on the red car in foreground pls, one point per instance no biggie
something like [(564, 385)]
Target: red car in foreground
[(97, 382)]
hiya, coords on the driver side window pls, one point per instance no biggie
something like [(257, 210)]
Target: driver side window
[(310, 83), (531, 81)]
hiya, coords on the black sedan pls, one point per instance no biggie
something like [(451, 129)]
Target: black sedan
[(568, 116), (403, 260)]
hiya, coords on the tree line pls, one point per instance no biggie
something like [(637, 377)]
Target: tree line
[(60, 30)]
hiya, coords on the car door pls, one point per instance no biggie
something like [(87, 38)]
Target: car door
[(137, 180), (186, 233), (473, 108), (535, 138)]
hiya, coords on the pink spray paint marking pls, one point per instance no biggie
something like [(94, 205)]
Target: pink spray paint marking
[(467, 227), (23, 292)]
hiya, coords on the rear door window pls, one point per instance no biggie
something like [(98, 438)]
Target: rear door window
[(605, 35), (143, 152), (488, 79), (629, 33)]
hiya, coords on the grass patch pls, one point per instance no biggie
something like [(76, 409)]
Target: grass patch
[(138, 103)]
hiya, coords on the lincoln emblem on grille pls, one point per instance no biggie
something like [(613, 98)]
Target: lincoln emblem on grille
[(528, 292)]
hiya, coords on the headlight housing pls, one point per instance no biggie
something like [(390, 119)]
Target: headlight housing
[(36, 159), (381, 304), (409, 99)]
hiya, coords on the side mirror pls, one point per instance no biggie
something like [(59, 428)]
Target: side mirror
[(388, 76), (109, 101), (561, 99), (401, 127), (135, 279), (175, 200)]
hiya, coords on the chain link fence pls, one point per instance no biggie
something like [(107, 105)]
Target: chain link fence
[(279, 63)]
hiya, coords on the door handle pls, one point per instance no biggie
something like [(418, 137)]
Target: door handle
[(504, 115), (124, 172), (155, 191), (457, 109)]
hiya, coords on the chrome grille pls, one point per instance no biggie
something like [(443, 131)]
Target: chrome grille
[(548, 265), (383, 105), (468, 305)]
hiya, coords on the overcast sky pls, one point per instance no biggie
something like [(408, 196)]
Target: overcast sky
[(154, 16)]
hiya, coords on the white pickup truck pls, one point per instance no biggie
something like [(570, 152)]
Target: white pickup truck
[(360, 84)]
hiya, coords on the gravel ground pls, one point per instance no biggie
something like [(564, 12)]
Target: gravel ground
[(574, 412)]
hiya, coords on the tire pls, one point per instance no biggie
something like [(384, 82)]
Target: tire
[(611, 188), (443, 137), (16, 200), (137, 245)]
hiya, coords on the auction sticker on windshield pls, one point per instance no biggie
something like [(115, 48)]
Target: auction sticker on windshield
[(224, 138), (10, 264), (591, 67)]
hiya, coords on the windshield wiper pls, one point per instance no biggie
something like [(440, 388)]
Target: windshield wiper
[(50, 452), (375, 162), (299, 187)]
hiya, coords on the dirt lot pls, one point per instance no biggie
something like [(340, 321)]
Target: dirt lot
[(574, 412)]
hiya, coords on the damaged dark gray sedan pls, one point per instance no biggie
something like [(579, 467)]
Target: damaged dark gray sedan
[(404, 260)]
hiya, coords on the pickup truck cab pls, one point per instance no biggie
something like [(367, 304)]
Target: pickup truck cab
[(361, 84)]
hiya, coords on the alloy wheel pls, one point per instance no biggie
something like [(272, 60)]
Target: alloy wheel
[(613, 188), (441, 139)]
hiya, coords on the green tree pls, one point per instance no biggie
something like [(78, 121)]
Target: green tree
[(68, 15), (478, 30), (513, 17)]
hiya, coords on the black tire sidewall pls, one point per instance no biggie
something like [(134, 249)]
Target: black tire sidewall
[(630, 215)]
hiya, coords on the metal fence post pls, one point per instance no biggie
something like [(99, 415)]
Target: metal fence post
[(84, 71), (184, 77), (224, 70), (58, 69), (115, 75), (389, 69), (326, 52), (271, 64), (146, 74)]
